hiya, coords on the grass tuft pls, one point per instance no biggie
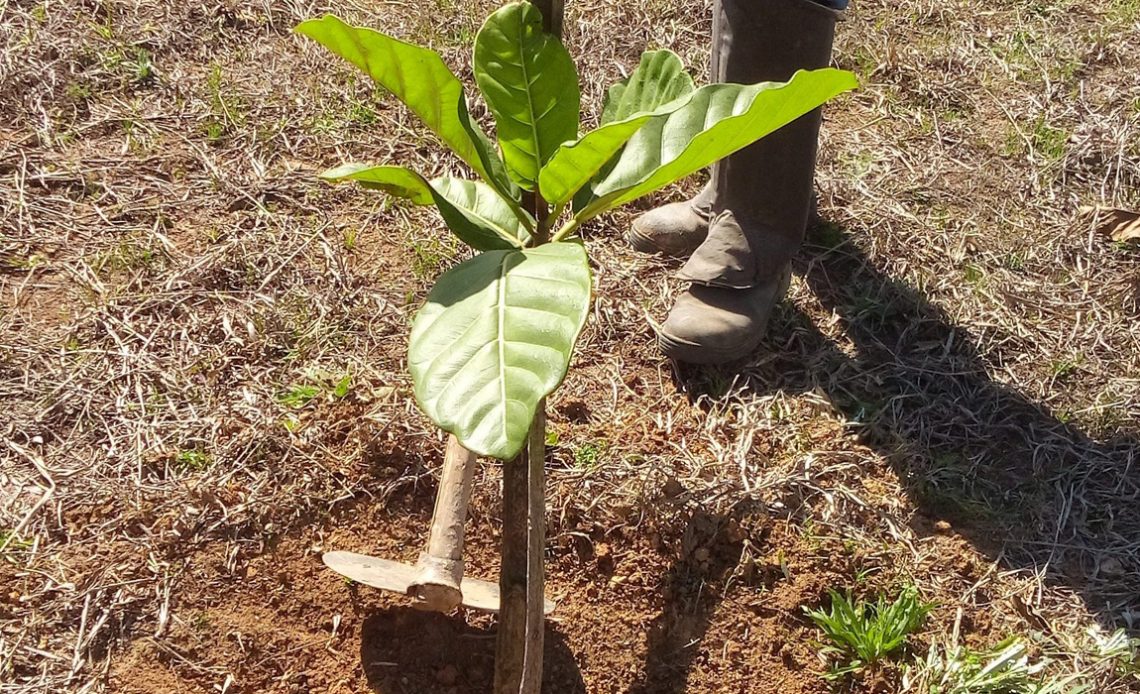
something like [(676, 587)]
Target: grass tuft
[(864, 633)]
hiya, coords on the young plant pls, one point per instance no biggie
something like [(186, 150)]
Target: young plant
[(496, 334), (865, 633), (1004, 669)]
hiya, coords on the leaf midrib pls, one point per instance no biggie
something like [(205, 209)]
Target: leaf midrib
[(529, 98)]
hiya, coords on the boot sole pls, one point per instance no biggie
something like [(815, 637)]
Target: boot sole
[(703, 355)]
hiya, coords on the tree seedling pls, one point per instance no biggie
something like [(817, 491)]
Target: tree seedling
[(496, 333)]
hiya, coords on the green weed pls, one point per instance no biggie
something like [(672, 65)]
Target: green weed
[(1065, 367), (829, 235), (1049, 141), (973, 274), (142, 66), (1124, 11), (228, 111), (863, 633), (1014, 261), (77, 92), (128, 256), (589, 455), (343, 387), (298, 395), (1118, 649), (431, 254), (1004, 669), (192, 460), (11, 543)]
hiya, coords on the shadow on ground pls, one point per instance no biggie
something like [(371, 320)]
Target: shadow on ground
[(403, 650), (1027, 489)]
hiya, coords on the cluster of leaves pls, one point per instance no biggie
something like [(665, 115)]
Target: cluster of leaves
[(497, 332), (1004, 669), (864, 633)]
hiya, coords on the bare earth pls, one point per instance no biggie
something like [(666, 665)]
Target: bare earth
[(950, 398)]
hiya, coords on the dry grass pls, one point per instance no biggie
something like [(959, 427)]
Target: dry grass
[(180, 301)]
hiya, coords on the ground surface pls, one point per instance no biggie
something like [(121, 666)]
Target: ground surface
[(950, 399)]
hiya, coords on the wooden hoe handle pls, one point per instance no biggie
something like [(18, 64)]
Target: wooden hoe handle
[(441, 564)]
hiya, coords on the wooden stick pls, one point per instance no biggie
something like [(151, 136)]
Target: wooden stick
[(437, 586), (553, 12), (536, 553)]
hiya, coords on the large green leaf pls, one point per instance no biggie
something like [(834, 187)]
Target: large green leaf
[(660, 77), (472, 210), (494, 338), (719, 119), (488, 222), (419, 78), (531, 87), (394, 180), (658, 86)]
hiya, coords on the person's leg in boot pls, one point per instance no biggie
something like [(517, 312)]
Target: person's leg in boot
[(679, 228), (760, 196)]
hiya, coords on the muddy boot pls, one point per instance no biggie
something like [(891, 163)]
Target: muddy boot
[(676, 229), (761, 195)]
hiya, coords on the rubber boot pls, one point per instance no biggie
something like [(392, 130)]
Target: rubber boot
[(675, 229), (761, 196)]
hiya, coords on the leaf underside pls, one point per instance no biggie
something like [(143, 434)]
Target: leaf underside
[(659, 78), (530, 84), (718, 119), (472, 210), (494, 338)]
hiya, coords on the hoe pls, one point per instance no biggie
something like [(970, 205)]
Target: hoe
[(436, 581)]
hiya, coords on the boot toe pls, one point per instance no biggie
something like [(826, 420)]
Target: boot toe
[(703, 328), (713, 325), (674, 229)]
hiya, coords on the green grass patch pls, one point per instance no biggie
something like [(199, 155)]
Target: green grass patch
[(1004, 669), (1048, 140), (298, 395), (11, 543), (589, 455), (192, 460), (861, 634)]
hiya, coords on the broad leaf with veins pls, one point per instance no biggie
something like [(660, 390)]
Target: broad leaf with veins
[(531, 86), (494, 338)]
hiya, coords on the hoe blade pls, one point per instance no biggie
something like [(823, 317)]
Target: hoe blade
[(396, 577)]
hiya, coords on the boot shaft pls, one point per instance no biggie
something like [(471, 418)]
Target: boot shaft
[(763, 193)]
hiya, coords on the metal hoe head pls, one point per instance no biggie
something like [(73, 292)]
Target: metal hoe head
[(406, 579)]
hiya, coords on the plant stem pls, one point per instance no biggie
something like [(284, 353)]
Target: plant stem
[(518, 649), (567, 229), (553, 12), (537, 207), (558, 210)]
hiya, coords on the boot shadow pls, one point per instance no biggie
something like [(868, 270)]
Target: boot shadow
[(407, 650), (1024, 486)]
